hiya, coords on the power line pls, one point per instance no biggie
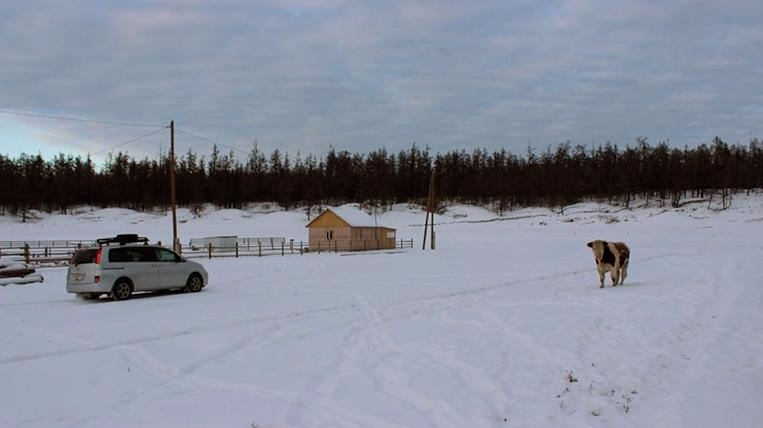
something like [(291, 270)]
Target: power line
[(128, 141), (209, 141), (75, 119)]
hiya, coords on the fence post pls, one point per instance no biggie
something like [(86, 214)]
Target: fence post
[(283, 245), (259, 248), (236, 249), (209, 249), (26, 252)]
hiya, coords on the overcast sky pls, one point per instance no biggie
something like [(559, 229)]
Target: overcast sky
[(306, 75)]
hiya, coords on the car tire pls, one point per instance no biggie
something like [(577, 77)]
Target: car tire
[(122, 290), (194, 283)]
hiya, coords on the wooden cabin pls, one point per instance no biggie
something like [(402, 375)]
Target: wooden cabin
[(348, 229)]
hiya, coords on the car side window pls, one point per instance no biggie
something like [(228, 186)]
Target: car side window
[(166, 255), (133, 254), (117, 255), (147, 254)]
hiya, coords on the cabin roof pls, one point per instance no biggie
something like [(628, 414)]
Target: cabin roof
[(351, 215)]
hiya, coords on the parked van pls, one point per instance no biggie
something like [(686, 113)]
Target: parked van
[(127, 263)]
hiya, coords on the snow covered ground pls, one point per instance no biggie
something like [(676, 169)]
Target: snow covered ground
[(503, 325)]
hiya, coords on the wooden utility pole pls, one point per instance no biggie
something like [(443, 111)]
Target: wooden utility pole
[(426, 226), (175, 241), (431, 207)]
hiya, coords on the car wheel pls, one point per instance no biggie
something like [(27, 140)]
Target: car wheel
[(194, 283), (122, 290)]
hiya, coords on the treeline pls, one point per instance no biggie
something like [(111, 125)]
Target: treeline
[(556, 176)]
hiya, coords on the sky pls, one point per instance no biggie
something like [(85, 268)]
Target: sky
[(305, 76), (502, 325)]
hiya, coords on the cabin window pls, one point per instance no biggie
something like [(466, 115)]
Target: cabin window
[(329, 235)]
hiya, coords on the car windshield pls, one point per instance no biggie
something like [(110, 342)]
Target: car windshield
[(165, 255)]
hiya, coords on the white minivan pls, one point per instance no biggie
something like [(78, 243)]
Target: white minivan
[(127, 263)]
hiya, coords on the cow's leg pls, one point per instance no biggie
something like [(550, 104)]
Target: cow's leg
[(623, 272), (614, 274), (601, 278)]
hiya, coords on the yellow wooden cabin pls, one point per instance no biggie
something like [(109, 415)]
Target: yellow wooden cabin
[(348, 229)]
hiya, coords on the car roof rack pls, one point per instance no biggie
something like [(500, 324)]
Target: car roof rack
[(123, 238)]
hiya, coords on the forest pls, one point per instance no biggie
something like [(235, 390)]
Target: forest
[(501, 180)]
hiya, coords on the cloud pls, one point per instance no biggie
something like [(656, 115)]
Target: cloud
[(303, 75)]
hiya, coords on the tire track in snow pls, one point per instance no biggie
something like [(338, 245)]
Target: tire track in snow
[(365, 340), (93, 346), (369, 344), (171, 376), (296, 314), (624, 343), (711, 318), (374, 322)]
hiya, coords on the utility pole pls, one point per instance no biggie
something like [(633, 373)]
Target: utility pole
[(431, 207), (175, 241), (426, 226)]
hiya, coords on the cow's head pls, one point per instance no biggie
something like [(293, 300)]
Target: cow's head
[(597, 246)]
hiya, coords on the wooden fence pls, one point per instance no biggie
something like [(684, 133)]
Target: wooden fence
[(50, 252), (238, 247), (59, 252), (276, 246), (338, 245)]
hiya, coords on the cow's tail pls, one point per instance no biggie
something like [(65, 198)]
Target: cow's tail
[(624, 267)]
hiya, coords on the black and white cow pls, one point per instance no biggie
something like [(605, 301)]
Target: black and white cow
[(611, 257)]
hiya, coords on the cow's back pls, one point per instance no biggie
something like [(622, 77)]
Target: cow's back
[(623, 252)]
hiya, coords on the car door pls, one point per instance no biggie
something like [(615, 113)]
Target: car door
[(173, 270), (142, 266)]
